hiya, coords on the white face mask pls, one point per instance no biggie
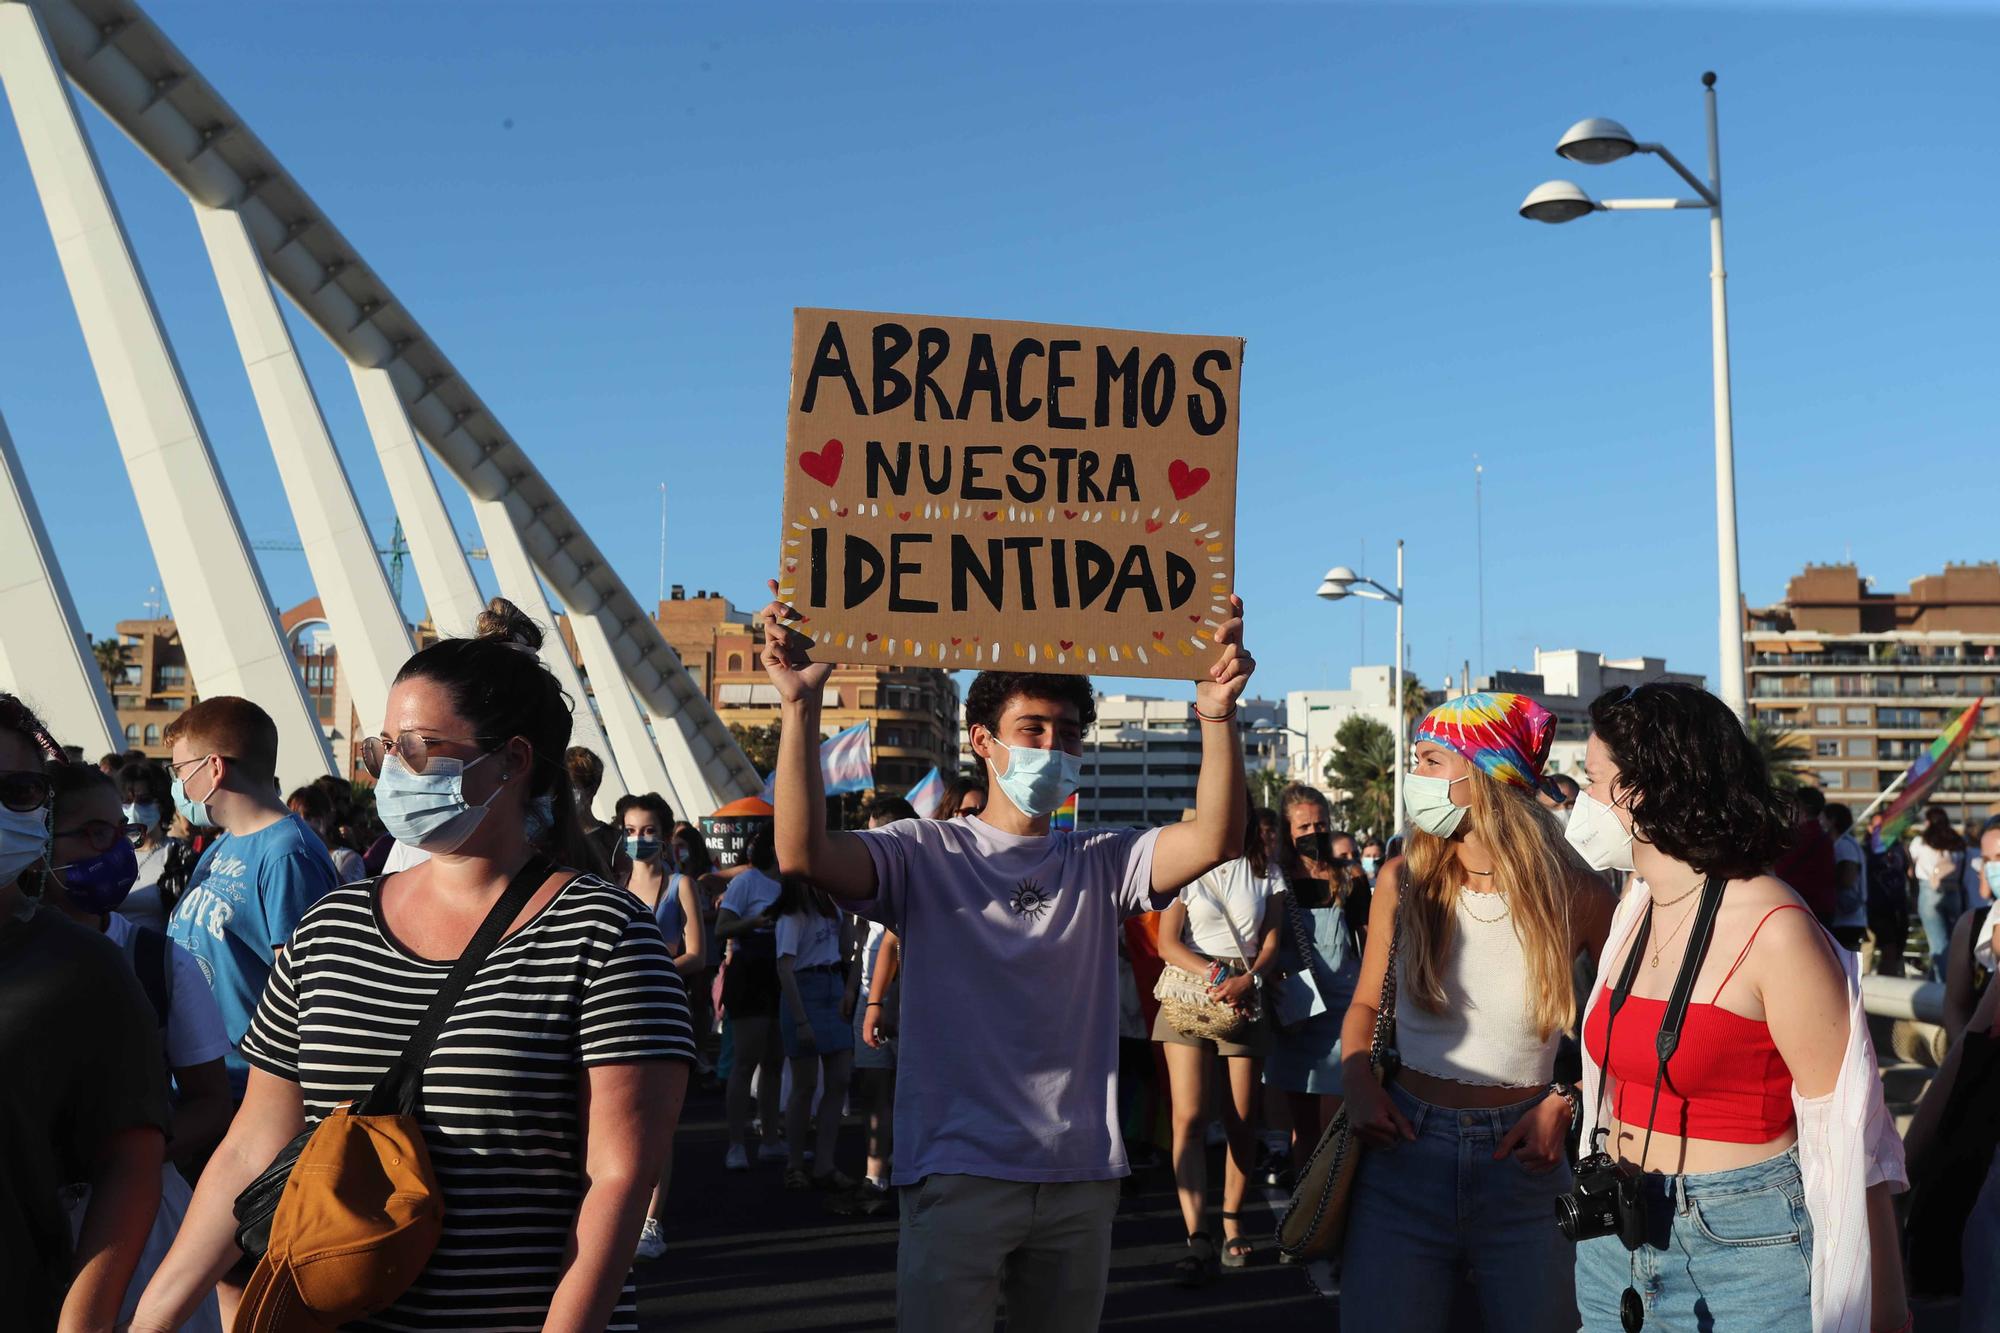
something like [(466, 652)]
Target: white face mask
[(24, 840), (1427, 801), (1598, 835)]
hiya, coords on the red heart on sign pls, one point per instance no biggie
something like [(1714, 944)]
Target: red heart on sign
[(1184, 479), (869, 637), (1154, 525), (1065, 644), (956, 642), (992, 514), (1159, 634), (824, 466), (1194, 620), (903, 514), (838, 512), (1069, 513), (791, 566)]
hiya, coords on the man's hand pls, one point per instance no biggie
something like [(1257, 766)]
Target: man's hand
[(1230, 673), (786, 658)]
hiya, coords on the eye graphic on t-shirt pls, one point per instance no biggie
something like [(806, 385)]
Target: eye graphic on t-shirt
[(1031, 900)]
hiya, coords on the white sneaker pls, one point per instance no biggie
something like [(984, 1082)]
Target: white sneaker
[(736, 1159), (773, 1152), (651, 1243)]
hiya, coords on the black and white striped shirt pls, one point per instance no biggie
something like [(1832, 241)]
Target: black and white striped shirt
[(587, 981)]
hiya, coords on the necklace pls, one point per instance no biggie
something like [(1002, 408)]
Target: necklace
[(1668, 938), (1696, 888), (1465, 891), (1487, 873)]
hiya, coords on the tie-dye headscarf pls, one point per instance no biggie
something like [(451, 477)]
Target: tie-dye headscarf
[(1506, 735)]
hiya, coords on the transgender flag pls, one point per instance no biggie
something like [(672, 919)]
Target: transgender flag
[(923, 797), (846, 763)]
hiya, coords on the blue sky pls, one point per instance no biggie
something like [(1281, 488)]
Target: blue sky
[(605, 214)]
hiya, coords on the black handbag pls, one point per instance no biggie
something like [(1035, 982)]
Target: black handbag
[(401, 1085)]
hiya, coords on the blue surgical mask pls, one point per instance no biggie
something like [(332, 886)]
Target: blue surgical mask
[(1368, 863), (101, 882), (194, 812), (1427, 800), (1993, 877), (1038, 781), (428, 810), (143, 813), (642, 849)]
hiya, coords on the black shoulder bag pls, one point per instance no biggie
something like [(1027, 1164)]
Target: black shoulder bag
[(400, 1089)]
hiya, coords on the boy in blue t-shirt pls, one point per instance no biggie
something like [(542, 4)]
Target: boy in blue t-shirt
[(253, 883)]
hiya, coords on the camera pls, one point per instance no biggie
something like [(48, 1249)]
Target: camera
[(1605, 1202)]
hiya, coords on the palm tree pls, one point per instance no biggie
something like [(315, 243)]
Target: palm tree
[(110, 654), (1415, 698), (1362, 772), (1266, 784), (1782, 748)]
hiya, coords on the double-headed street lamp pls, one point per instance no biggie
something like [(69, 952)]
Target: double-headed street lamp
[(1340, 581), (1595, 142)]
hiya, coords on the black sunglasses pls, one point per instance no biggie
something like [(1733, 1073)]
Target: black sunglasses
[(22, 790), (100, 834)]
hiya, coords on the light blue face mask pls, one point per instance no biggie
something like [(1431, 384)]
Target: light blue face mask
[(1368, 863), (1038, 781), (1427, 801), (193, 811), (642, 849), (428, 810), (1993, 878)]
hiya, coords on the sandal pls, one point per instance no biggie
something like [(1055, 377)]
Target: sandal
[(1236, 1250), (1197, 1267)]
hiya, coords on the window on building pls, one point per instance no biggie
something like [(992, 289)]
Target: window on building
[(1860, 747), (152, 733), (132, 733), (1899, 717), (1826, 747), (1831, 778), (867, 698), (1827, 717), (736, 661), (172, 676), (1857, 717)]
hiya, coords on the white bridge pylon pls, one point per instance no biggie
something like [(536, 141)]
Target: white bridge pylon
[(118, 57)]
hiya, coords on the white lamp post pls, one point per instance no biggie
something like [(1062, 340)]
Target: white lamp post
[(1340, 581), (1595, 142)]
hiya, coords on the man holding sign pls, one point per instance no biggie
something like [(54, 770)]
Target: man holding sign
[(1006, 1111)]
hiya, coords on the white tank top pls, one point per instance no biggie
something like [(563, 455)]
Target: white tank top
[(1486, 1032)]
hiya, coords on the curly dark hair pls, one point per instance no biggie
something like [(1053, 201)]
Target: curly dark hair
[(991, 690), (1696, 785)]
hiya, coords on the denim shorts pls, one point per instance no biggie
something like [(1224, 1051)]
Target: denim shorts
[(1434, 1214), (821, 988), (1724, 1250)]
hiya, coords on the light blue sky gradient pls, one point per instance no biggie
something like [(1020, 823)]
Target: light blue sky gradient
[(605, 214)]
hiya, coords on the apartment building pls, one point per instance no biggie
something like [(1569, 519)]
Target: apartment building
[(1868, 678)]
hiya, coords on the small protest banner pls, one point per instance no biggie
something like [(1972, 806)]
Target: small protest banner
[(968, 493)]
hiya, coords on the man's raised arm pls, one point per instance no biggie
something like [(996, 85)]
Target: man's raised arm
[(834, 860), (1188, 850)]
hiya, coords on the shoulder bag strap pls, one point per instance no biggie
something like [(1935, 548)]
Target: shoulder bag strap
[(1201, 887), (1382, 1052), (401, 1086)]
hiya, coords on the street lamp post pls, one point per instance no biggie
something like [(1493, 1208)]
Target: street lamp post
[(1595, 142), (1340, 581), (1266, 725)]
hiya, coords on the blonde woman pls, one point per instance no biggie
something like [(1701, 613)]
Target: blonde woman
[(1466, 1146)]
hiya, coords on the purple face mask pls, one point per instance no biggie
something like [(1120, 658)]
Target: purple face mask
[(99, 883)]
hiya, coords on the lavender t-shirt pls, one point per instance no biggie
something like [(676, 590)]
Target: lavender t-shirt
[(1008, 1054)]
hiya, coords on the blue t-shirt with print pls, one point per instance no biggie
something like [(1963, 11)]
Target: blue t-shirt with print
[(242, 902)]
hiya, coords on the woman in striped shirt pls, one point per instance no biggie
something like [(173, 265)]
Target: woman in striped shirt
[(550, 1098)]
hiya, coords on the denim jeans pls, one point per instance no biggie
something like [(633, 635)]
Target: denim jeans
[(1429, 1212), (1726, 1250), (1938, 908)]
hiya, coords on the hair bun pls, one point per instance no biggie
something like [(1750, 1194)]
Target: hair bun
[(504, 622)]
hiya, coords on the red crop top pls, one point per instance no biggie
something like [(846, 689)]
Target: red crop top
[(1726, 1083)]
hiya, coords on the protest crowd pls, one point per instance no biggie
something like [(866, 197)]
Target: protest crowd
[(213, 993)]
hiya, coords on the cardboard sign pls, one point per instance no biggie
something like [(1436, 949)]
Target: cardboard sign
[(968, 494)]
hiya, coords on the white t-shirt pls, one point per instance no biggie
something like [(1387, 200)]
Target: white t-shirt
[(195, 1034), (1852, 907), (1934, 867), (142, 906), (1982, 933), (1231, 888), (747, 896), (869, 950), (809, 939)]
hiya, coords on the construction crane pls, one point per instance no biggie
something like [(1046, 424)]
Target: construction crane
[(396, 553)]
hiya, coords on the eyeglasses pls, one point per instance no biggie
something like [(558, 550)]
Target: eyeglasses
[(967, 810), (100, 834), (412, 747), (24, 789), (188, 764)]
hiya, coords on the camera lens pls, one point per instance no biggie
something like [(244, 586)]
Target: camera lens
[(1566, 1215)]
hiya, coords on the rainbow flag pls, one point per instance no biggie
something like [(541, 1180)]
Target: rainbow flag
[(1924, 776), (1065, 815)]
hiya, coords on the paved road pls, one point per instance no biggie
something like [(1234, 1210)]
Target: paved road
[(744, 1256)]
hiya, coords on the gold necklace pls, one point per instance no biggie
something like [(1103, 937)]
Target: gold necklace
[(1682, 898), (1466, 890), (1668, 938)]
